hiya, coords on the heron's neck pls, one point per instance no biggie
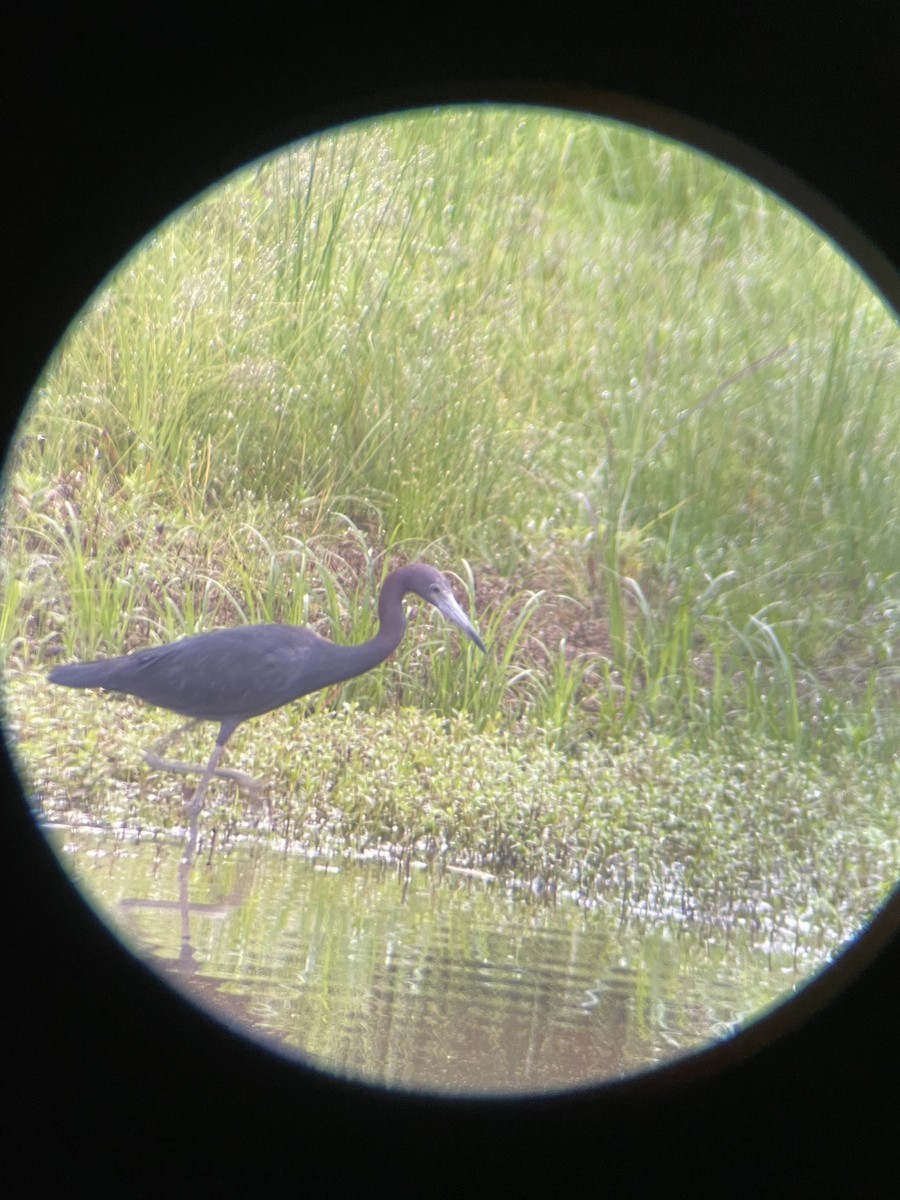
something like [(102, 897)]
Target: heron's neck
[(391, 621), (391, 624)]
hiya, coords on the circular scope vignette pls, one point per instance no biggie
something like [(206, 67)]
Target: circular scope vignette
[(625, 783)]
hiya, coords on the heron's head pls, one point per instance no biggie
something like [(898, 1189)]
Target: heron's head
[(433, 586)]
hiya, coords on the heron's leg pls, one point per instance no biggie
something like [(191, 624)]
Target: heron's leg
[(167, 738), (241, 778), (152, 756), (153, 760), (200, 791)]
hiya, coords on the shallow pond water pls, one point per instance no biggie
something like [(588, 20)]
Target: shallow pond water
[(421, 978)]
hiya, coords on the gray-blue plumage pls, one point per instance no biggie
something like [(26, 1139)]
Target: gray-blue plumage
[(231, 675)]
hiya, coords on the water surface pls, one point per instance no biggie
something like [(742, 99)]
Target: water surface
[(421, 978)]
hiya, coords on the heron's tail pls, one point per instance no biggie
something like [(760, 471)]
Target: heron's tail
[(86, 674)]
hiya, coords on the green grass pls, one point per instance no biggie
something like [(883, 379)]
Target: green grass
[(645, 412), (799, 854)]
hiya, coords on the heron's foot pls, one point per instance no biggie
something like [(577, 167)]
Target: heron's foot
[(241, 778)]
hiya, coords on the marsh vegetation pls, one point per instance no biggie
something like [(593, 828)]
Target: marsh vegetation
[(645, 412)]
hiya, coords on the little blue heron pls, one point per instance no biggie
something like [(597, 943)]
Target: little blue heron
[(231, 675)]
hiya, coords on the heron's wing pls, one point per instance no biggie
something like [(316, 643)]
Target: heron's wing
[(226, 674)]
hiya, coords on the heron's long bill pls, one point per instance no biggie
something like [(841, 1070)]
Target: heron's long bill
[(448, 607)]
